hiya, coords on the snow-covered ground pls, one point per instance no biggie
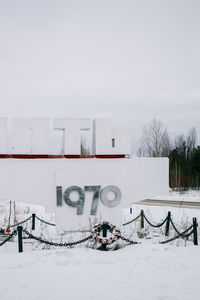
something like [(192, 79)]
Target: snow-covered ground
[(191, 195), (148, 270), (136, 272)]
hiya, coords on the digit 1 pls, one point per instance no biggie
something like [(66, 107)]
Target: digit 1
[(79, 203), (59, 195), (96, 190)]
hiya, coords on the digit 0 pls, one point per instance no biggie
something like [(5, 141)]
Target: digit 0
[(104, 196)]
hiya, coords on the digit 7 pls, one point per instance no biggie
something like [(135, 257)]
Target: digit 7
[(96, 191)]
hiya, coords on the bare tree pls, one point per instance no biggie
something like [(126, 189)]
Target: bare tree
[(155, 140), (192, 139), (182, 160)]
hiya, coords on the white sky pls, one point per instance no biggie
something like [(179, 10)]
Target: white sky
[(126, 60)]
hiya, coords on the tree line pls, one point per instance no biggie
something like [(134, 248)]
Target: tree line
[(183, 154)]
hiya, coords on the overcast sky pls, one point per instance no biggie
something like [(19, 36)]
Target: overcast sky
[(126, 60)]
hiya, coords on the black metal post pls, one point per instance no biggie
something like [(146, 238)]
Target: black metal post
[(195, 235), (33, 221), (20, 242), (105, 228), (168, 223), (142, 219), (131, 210)]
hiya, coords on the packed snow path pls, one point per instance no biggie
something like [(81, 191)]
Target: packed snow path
[(145, 271)]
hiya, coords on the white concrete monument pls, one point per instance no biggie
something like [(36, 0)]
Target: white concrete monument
[(80, 191)]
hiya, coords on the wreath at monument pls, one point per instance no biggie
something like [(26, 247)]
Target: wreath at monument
[(115, 233)]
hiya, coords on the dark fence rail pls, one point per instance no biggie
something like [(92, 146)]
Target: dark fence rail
[(191, 230), (168, 220)]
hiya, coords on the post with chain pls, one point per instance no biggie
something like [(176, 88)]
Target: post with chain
[(168, 223), (131, 210), (195, 235), (142, 219), (20, 242), (104, 228), (33, 221)]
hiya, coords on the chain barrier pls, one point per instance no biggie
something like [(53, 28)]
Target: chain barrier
[(43, 221), (173, 225), (182, 235), (131, 220), (190, 233), (156, 226), (22, 222), (56, 244), (9, 237), (128, 241), (179, 234)]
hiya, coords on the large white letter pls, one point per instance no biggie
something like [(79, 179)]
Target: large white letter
[(109, 141), (3, 136), (72, 127), (30, 135)]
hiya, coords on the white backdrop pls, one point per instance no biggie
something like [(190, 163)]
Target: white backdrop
[(34, 180)]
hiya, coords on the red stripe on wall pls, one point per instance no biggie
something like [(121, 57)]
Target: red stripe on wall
[(30, 156), (79, 156), (40, 156), (111, 156), (6, 156)]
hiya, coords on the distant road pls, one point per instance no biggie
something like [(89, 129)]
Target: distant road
[(173, 203)]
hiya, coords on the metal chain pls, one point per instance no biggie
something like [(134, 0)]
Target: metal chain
[(190, 233), (177, 231), (183, 233), (128, 241), (9, 237), (131, 221), (43, 221), (156, 226), (179, 235), (22, 222), (56, 244)]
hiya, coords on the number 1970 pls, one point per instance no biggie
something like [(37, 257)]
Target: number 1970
[(98, 193)]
